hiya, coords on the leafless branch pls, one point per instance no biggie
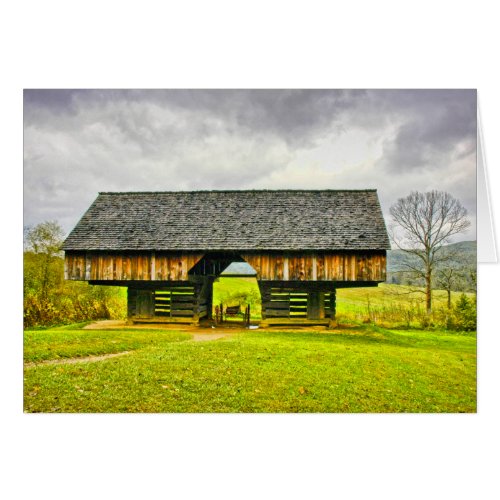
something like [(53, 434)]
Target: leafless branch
[(427, 220)]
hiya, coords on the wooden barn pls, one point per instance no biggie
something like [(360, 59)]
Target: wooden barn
[(168, 247)]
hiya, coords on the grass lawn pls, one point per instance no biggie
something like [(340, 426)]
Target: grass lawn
[(385, 292), (230, 291), (355, 369)]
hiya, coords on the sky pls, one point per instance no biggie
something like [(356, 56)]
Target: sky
[(78, 143)]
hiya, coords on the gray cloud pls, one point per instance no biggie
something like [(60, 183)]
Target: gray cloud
[(296, 116), (434, 127), (79, 142)]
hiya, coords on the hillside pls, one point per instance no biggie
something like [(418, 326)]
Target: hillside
[(466, 251)]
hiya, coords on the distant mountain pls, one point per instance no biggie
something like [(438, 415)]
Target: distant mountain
[(239, 269), (466, 251)]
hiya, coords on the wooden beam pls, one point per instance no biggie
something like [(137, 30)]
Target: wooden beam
[(152, 285), (333, 309), (158, 319), (291, 322), (321, 286)]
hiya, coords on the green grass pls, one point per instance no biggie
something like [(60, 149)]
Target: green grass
[(356, 369), (232, 286), (358, 298), (71, 342), (394, 306), (234, 291), (386, 305)]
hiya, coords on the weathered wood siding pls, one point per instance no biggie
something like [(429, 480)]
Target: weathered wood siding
[(176, 302), (74, 266), (164, 266), (144, 266), (174, 267), (366, 266)]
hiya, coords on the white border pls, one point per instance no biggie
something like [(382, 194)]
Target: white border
[(259, 44)]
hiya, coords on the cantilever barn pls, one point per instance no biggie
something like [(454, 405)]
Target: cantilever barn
[(167, 248)]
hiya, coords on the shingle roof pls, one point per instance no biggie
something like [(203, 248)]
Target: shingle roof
[(232, 220)]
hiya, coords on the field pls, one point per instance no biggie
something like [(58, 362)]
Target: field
[(385, 305), (372, 362), (356, 369)]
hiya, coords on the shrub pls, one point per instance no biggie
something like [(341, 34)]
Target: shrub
[(63, 302), (464, 315)]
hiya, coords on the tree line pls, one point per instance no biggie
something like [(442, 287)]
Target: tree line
[(51, 300)]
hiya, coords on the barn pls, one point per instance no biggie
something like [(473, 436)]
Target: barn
[(167, 248)]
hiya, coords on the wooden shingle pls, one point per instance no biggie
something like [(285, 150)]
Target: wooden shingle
[(232, 220)]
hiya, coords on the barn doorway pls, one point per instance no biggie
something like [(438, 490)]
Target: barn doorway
[(236, 295), (234, 298)]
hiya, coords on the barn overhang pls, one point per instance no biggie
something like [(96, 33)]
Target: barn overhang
[(302, 266)]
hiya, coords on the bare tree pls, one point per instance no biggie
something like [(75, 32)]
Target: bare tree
[(424, 223), (447, 278)]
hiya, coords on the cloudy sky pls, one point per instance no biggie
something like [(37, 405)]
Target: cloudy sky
[(80, 142)]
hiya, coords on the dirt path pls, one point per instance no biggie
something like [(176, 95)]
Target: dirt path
[(105, 324), (200, 337), (198, 332), (72, 361)]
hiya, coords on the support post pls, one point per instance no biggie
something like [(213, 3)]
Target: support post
[(265, 296), (333, 309), (203, 297), (313, 305)]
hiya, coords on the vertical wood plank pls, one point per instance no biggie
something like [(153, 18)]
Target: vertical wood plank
[(88, 266), (279, 268), (185, 269), (326, 267), (153, 266), (320, 265), (160, 259), (285, 269), (119, 260)]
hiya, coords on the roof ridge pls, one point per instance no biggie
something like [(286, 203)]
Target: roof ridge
[(246, 191)]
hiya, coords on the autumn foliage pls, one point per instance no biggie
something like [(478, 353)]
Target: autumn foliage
[(48, 298)]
